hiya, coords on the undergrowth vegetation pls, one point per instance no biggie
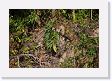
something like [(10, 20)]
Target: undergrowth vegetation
[(51, 37), (59, 38)]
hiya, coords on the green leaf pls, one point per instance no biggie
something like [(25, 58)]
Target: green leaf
[(19, 40), (54, 47)]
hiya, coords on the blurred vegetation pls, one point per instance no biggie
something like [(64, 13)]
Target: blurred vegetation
[(51, 37), (23, 22)]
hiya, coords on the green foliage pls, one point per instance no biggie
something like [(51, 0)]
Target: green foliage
[(92, 46), (18, 27), (25, 50), (88, 43), (91, 51), (13, 52), (16, 22), (81, 16), (51, 37)]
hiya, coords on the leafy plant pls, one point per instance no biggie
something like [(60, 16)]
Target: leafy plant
[(91, 51), (18, 27), (51, 37)]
